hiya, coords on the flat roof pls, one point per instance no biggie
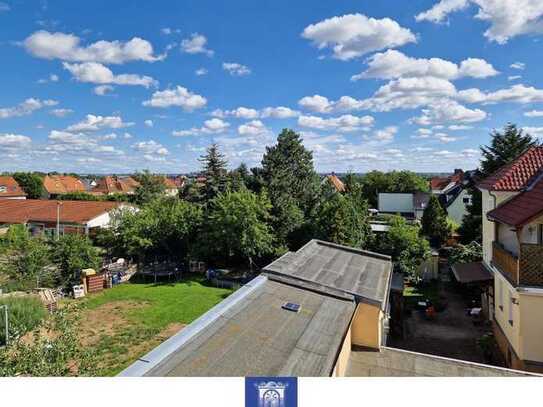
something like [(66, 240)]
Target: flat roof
[(471, 272), (255, 336), (362, 274)]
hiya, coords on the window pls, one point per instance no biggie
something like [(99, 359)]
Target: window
[(466, 200), (3, 188)]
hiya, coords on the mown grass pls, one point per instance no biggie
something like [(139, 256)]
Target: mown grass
[(421, 292), (144, 312)]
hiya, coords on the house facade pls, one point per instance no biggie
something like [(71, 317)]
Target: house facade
[(453, 194), (68, 217), (10, 189), (512, 201), (409, 205)]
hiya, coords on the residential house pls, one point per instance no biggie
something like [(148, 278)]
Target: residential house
[(10, 189), (409, 205), (512, 200), (453, 194), (44, 216), (335, 182), (110, 184), (320, 311), (171, 188), (56, 185)]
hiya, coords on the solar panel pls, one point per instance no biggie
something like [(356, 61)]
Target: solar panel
[(290, 306)]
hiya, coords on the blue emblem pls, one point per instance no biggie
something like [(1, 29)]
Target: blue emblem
[(271, 392)]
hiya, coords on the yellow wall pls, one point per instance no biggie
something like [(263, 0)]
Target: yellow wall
[(512, 332), (531, 335), (366, 326), (342, 361)]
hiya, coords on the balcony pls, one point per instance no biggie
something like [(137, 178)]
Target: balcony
[(524, 270)]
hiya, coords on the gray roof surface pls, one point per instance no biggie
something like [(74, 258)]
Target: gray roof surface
[(257, 337), (402, 363), (335, 268)]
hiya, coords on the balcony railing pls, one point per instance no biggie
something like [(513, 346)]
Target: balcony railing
[(506, 262), (526, 269)]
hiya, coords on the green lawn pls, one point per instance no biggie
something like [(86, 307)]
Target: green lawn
[(126, 321), (420, 292)]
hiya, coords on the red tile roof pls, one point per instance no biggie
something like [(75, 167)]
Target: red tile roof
[(110, 185), (9, 188), (522, 208), (41, 210), (441, 182), (516, 175), (336, 183), (169, 183), (62, 184)]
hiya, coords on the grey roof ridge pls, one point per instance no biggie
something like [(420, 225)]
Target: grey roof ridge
[(159, 354)]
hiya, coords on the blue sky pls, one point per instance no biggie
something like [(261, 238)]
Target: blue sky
[(106, 87)]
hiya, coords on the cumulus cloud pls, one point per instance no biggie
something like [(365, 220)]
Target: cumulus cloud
[(446, 111), (25, 108), (394, 64), (345, 123), (11, 142), (95, 123), (507, 18), (200, 72), (441, 10), (235, 69), (52, 78), (353, 35), (211, 126), (518, 65), (151, 148), (196, 44), (386, 134), (534, 131), (148, 123), (316, 103), (253, 128), (240, 113), (178, 96), (516, 94), (93, 72), (67, 47), (279, 112), (103, 90)]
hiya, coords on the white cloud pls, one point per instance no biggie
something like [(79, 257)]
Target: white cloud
[(179, 96), (386, 134), (200, 72), (103, 90), (95, 123), (253, 128), (240, 113), (439, 11), (534, 131), (507, 18), (279, 112), (14, 141), (446, 111), (514, 77), (52, 78), (534, 113), (516, 93), (470, 152), (66, 47), (92, 72), (61, 112), (148, 123), (196, 44), (457, 127), (353, 35), (394, 64), (518, 65), (4, 7), (25, 108), (235, 69), (151, 148), (345, 123), (211, 126), (316, 103)]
